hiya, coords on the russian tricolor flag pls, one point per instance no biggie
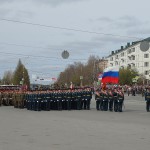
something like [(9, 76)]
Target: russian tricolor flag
[(100, 76), (111, 75)]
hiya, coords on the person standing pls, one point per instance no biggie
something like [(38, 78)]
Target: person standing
[(97, 98), (110, 100), (147, 99)]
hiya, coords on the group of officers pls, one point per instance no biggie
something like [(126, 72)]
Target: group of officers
[(111, 99), (38, 100)]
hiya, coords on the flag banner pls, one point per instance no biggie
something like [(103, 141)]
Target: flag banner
[(54, 79), (111, 75), (100, 76)]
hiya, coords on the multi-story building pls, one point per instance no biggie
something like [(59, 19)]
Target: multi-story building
[(102, 63), (133, 57)]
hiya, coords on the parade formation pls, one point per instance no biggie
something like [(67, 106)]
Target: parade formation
[(106, 99)]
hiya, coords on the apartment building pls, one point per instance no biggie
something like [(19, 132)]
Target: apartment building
[(133, 57)]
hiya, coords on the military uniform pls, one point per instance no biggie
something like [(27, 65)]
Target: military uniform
[(110, 100), (79, 99), (0, 99), (120, 100), (68, 96), (105, 101), (88, 99), (115, 95), (147, 99), (97, 98), (59, 100)]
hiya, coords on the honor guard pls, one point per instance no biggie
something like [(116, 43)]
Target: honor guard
[(69, 96), (115, 95), (105, 101), (59, 100), (147, 99), (97, 98), (0, 98), (110, 100), (120, 100), (88, 98), (84, 100), (79, 99)]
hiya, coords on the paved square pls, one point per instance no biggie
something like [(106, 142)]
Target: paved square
[(77, 129)]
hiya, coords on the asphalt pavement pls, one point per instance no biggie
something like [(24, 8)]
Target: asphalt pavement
[(21, 129)]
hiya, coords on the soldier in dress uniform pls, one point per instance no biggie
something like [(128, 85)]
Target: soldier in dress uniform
[(39, 100), (48, 100), (0, 98), (69, 97), (6, 98), (110, 99), (64, 102), (147, 99), (73, 102), (79, 99), (83, 100), (10, 98), (19, 100), (105, 100), (115, 95), (97, 98), (120, 99), (88, 98), (59, 100)]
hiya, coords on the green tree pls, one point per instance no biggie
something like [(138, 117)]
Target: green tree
[(21, 75), (126, 75)]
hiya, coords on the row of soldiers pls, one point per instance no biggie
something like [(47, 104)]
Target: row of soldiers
[(53, 100), (6, 98), (110, 99)]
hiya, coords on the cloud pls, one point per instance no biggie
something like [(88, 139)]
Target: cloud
[(105, 19), (49, 2), (4, 12), (140, 31), (123, 22), (23, 14), (112, 39), (128, 22)]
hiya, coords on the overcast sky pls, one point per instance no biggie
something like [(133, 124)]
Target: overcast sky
[(127, 18)]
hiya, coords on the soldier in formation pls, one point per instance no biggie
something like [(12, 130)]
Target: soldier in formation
[(147, 99), (53, 99), (110, 99), (6, 98)]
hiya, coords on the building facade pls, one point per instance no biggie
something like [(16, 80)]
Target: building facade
[(131, 56), (102, 64)]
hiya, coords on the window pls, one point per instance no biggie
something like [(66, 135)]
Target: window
[(146, 72), (133, 57), (129, 51), (133, 49), (116, 63), (111, 64), (111, 59), (122, 54), (146, 55), (116, 56), (146, 64), (129, 57)]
